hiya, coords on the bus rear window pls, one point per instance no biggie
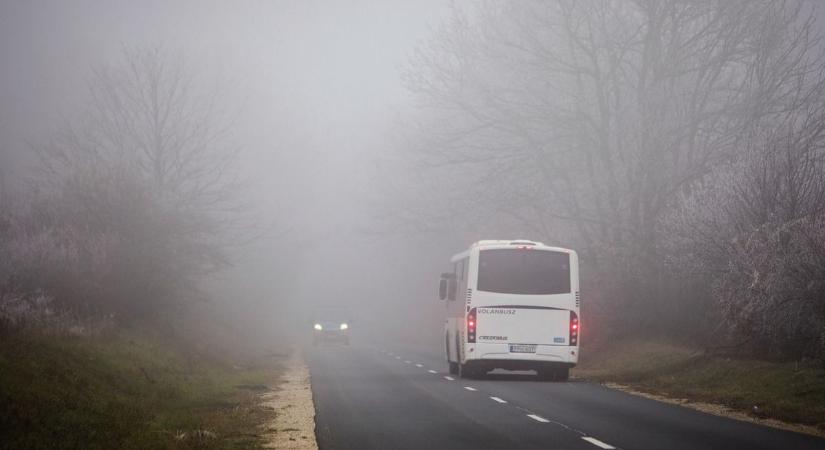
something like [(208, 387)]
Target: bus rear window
[(524, 271)]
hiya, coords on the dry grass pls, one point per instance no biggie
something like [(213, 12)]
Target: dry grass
[(127, 391), (787, 391)]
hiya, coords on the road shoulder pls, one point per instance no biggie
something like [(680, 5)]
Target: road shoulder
[(720, 410), (785, 395), (294, 424)]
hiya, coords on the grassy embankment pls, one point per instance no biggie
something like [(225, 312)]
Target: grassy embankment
[(787, 391), (127, 391)]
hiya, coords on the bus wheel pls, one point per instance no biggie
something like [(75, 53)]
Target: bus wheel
[(554, 373), (453, 368), (467, 371), (562, 374)]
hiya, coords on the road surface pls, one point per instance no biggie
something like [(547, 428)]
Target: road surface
[(394, 398)]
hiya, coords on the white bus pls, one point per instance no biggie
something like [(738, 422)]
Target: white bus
[(512, 305)]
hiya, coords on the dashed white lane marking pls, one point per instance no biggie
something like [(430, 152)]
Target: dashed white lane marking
[(538, 418), (598, 443), (535, 417)]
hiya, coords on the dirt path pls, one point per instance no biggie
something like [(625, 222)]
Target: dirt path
[(294, 423)]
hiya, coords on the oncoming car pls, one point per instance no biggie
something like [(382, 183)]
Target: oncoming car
[(330, 325)]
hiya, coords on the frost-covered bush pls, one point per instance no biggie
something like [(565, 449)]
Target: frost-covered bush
[(754, 232), (773, 287), (103, 244)]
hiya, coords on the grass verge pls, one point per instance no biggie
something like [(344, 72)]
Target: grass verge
[(787, 391), (126, 391)]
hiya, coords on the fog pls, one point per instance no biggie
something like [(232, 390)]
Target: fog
[(375, 139), (315, 91)]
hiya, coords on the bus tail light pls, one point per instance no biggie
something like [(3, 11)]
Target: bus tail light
[(574, 329), (471, 326)]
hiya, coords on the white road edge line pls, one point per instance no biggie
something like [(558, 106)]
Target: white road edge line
[(538, 418), (449, 378), (598, 443), (418, 365), (469, 388), (432, 371), (499, 400)]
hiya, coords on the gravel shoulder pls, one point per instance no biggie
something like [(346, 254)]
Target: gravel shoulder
[(294, 424)]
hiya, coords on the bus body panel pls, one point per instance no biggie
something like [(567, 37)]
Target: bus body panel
[(519, 325)]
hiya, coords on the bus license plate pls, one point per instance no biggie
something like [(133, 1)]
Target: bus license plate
[(522, 348)]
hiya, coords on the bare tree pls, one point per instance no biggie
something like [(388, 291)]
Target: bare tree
[(140, 188), (150, 114), (589, 119), (754, 233)]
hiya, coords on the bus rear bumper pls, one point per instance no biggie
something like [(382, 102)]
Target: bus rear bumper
[(499, 356), (486, 365)]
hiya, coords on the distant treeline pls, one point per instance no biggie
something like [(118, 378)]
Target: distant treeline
[(131, 203), (678, 145)]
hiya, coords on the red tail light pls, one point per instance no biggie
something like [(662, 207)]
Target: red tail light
[(574, 329), (471, 326)]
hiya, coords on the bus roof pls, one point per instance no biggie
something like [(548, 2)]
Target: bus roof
[(506, 243)]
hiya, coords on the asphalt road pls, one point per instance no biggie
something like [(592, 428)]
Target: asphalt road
[(402, 398)]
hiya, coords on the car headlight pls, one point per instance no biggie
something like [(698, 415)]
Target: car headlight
[(318, 327), (344, 326)]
